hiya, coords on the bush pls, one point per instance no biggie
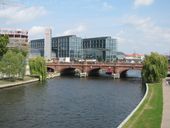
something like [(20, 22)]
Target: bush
[(38, 67)]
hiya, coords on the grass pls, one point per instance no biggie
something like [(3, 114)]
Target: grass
[(149, 114)]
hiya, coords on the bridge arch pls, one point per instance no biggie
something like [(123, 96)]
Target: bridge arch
[(71, 71), (94, 72), (50, 69), (124, 73)]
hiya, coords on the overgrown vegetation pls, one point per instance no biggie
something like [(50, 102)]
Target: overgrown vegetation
[(23, 51), (149, 114), (4, 40), (12, 65), (38, 67), (155, 68), (12, 61)]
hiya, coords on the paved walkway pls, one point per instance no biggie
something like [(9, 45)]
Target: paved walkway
[(18, 83), (166, 105)]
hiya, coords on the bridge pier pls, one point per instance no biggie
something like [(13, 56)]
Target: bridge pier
[(83, 74), (116, 75)]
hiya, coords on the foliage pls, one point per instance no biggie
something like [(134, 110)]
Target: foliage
[(13, 65), (38, 67), (4, 40), (24, 51), (155, 68), (22, 64)]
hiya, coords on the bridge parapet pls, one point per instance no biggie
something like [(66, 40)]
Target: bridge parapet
[(86, 67), (116, 67)]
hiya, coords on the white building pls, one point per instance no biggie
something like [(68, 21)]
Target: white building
[(134, 58), (47, 44)]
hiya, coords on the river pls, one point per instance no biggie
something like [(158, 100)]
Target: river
[(66, 102)]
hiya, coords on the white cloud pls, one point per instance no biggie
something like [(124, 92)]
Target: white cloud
[(138, 3), (143, 35), (147, 26), (20, 14), (107, 6), (76, 30), (37, 32)]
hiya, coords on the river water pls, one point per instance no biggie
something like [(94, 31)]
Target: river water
[(66, 102)]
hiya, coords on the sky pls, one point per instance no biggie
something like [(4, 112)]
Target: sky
[(140, 26)]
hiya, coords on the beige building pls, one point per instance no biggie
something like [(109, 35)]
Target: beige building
[(17, 37)]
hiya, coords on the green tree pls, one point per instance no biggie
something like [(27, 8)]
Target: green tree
[(155, 68), (13, 65), (24, 51), (38, 67), (4, 40), (21, 63)]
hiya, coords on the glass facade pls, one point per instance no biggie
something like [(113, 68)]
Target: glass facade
[(37, 47), (100, 48), (63, 46), (67, 46)]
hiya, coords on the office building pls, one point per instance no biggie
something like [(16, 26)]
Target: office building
[(62, 47), (75, 48), (100, 48)]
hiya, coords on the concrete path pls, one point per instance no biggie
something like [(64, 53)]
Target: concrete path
[(18, 83), (166, 105)]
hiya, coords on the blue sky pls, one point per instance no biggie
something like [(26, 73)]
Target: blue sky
[(140, 26)]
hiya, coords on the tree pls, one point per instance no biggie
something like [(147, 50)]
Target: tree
[(13, 65), (24, 51), (38, 67), (22, 63), (155, 68), (4, 40)]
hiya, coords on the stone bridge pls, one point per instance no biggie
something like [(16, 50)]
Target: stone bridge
[(114, 68)]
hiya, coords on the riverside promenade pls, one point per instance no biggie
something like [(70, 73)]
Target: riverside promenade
[(166, 105), (12, 84)]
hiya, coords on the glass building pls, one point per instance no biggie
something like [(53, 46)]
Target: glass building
[(37, 47), (63, 46), (67, 46), (100, 48)]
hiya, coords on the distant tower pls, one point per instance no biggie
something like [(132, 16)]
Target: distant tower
[(47, 43)]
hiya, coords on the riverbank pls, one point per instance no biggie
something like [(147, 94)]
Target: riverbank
[(53, 75), (7, 84), (149, 113)]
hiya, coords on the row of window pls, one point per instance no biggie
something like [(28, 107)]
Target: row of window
[(37, 45), (93, 45)]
